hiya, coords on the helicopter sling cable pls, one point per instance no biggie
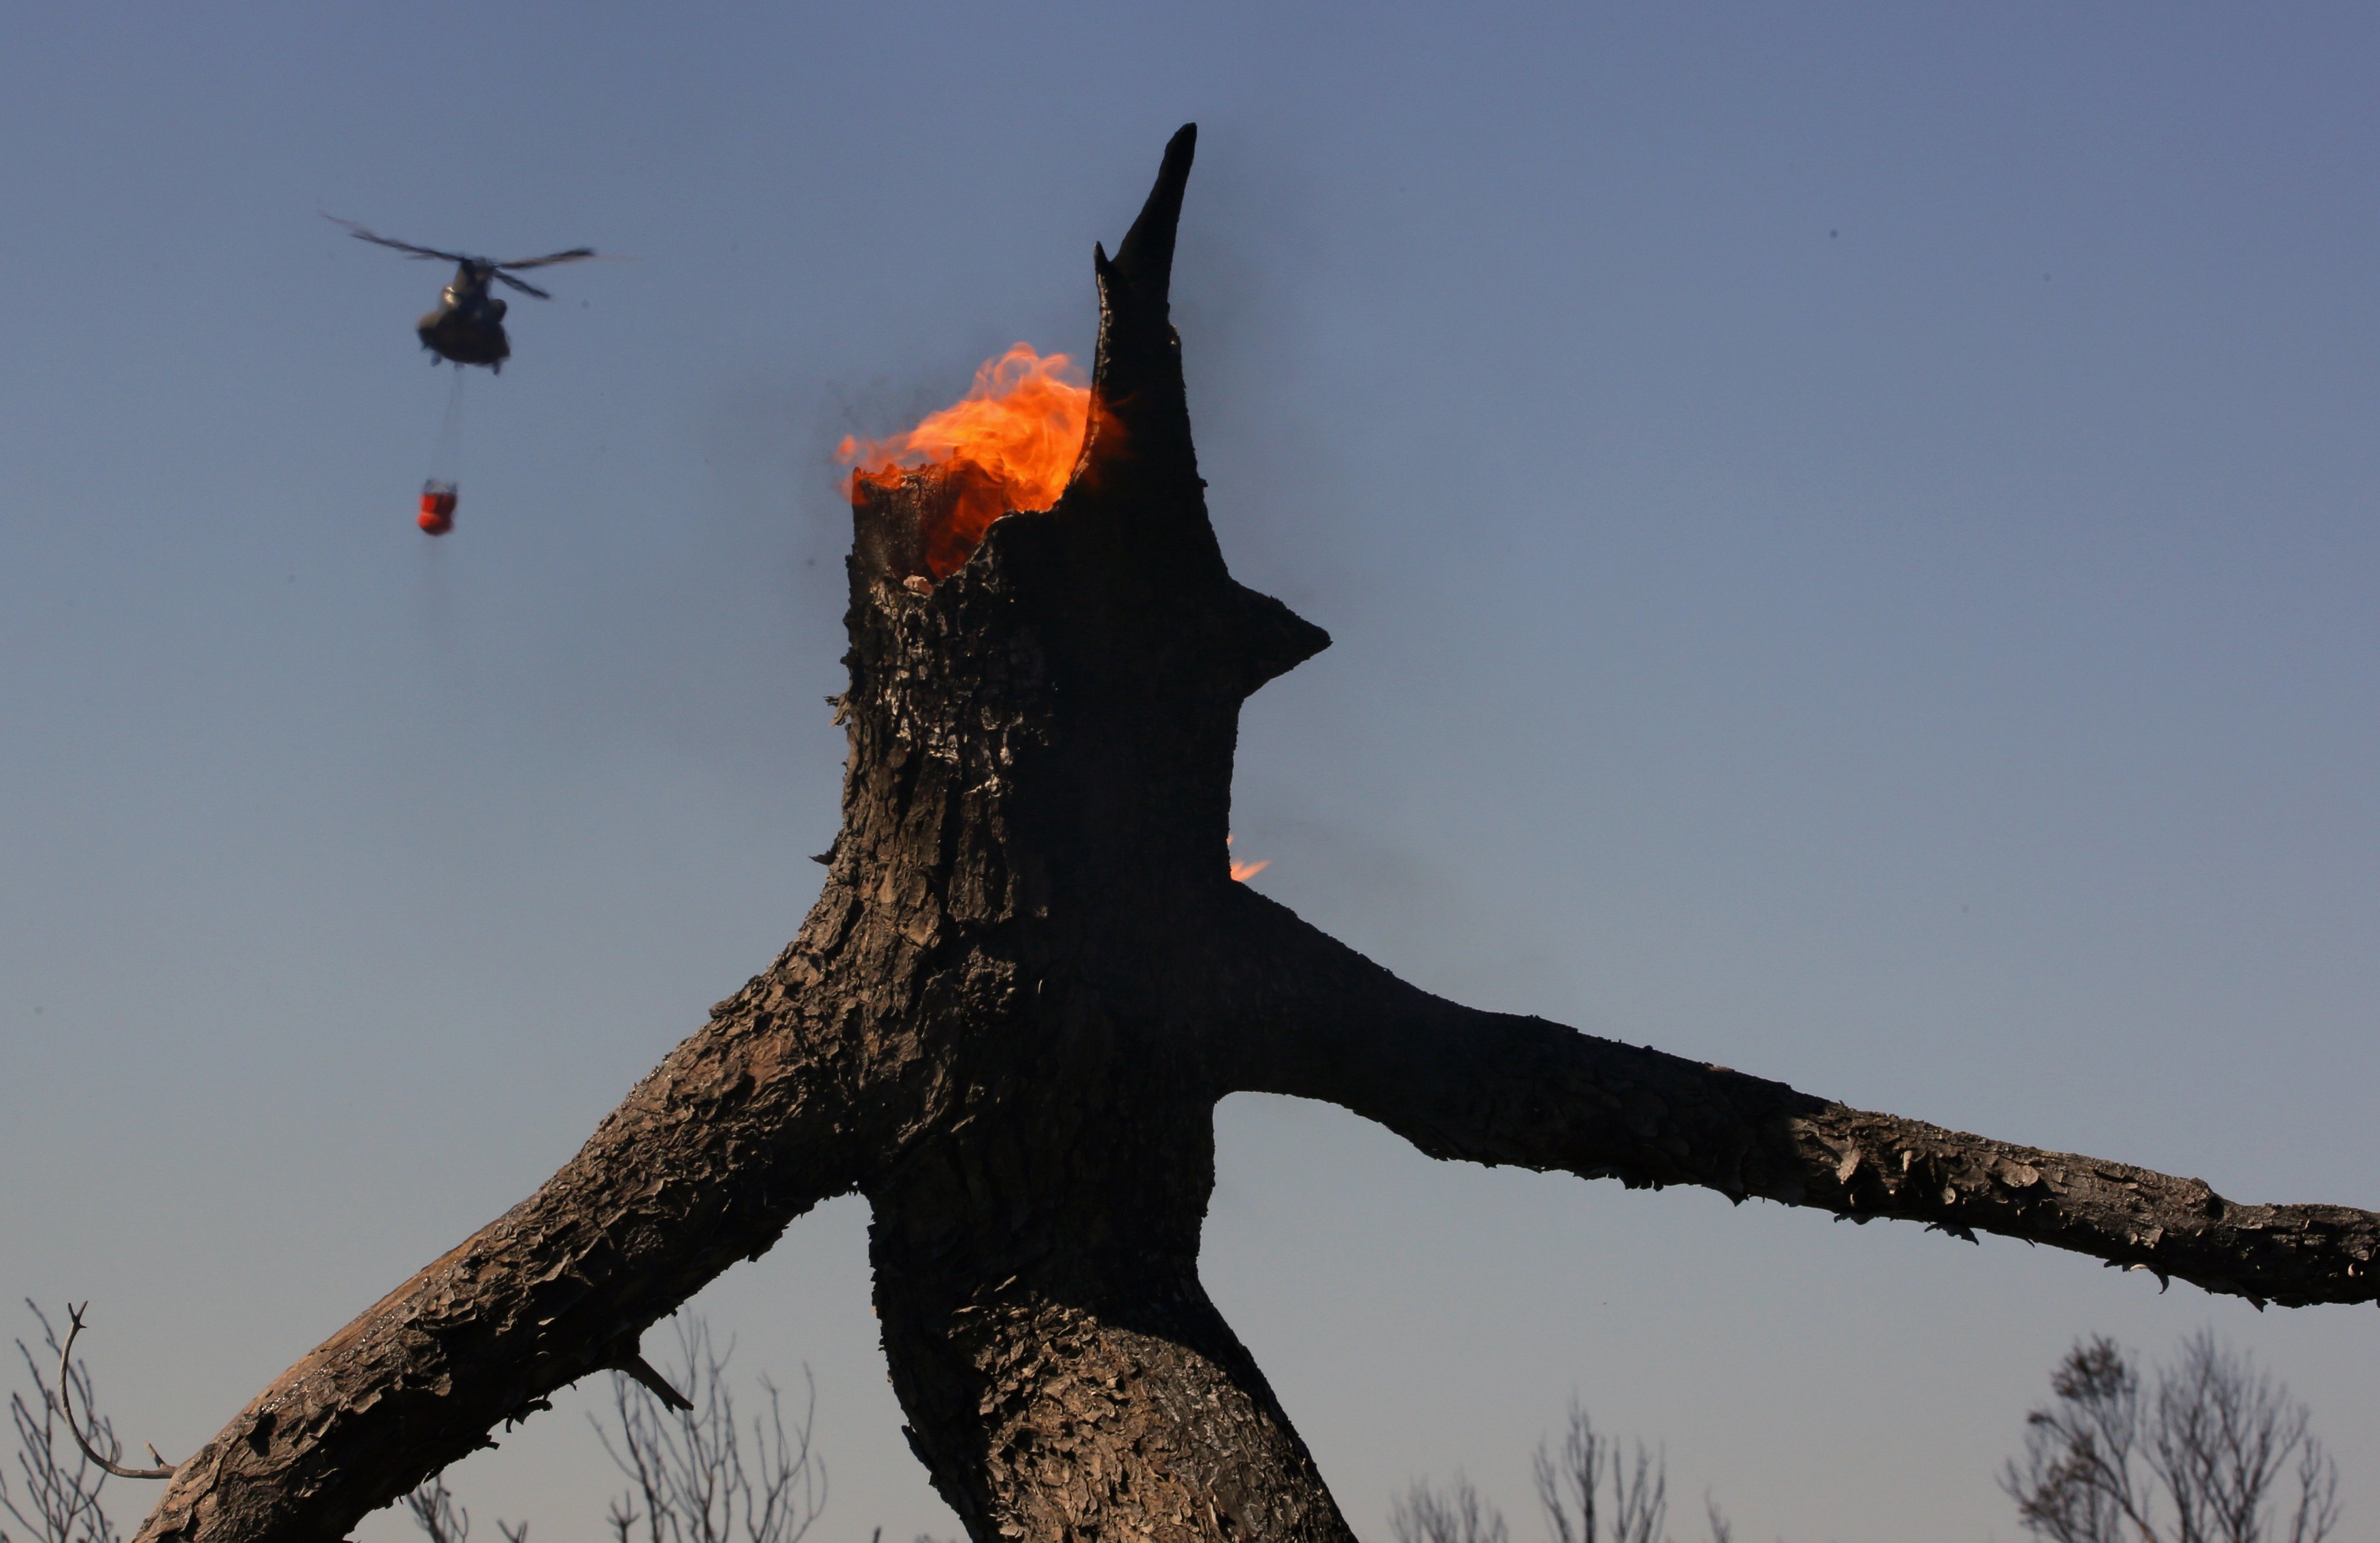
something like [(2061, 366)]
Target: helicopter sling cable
[(440, 490)]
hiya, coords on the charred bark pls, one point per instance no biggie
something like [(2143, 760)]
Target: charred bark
[(1007, 1020)]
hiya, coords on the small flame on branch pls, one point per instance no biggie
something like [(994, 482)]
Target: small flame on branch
[(1242, 872), (1010, 444)]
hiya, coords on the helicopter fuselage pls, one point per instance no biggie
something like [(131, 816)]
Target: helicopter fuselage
[(468, 325)]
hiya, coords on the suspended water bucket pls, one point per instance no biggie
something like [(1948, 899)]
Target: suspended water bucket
[(437, 506)]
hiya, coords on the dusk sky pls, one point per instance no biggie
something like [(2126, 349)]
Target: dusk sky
[(1850, 535)]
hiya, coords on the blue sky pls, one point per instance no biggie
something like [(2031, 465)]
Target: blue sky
[(1849, 534)]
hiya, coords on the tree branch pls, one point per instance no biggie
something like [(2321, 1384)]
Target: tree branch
[(653, 1382), (746, 1124), (1311, 1017)]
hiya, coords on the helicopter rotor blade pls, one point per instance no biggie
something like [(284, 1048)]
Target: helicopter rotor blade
[(361, 234), (573, 255), (524, 287)]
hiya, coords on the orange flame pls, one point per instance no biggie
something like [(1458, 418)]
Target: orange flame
[(1010, 444), (1242, 872)]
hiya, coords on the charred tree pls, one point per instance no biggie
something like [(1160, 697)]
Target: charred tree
[(1007, 1020)]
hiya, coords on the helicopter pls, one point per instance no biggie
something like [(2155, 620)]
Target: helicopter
[(468, 325)]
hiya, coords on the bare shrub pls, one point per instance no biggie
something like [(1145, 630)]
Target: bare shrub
[(1459, 1515), (2217, 1453), (433, 1510), (693, 1478), (54, 1498), (1590, 1492), (1572, 1487)]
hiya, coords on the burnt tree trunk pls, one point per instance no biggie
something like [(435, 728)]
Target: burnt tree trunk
[(1007, 1021)]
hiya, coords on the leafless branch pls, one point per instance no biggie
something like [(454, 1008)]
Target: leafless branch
[(56, 1501), (433, 1510), (1570, 1486), (1494, 1087), (1422, 1515), (2219, 1446), (65, 1408), (692, 1479)]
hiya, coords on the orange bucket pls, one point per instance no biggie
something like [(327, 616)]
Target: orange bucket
[(437, 507)]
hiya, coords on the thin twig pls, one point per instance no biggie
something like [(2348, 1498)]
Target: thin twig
[(74, 1427)]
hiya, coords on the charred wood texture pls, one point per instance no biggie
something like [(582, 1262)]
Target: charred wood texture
[(1007, 1021)]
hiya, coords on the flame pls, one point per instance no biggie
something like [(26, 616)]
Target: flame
[(1242, 872), (1010, 444)]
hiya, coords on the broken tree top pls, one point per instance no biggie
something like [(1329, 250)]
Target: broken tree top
[(1025, 983)]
